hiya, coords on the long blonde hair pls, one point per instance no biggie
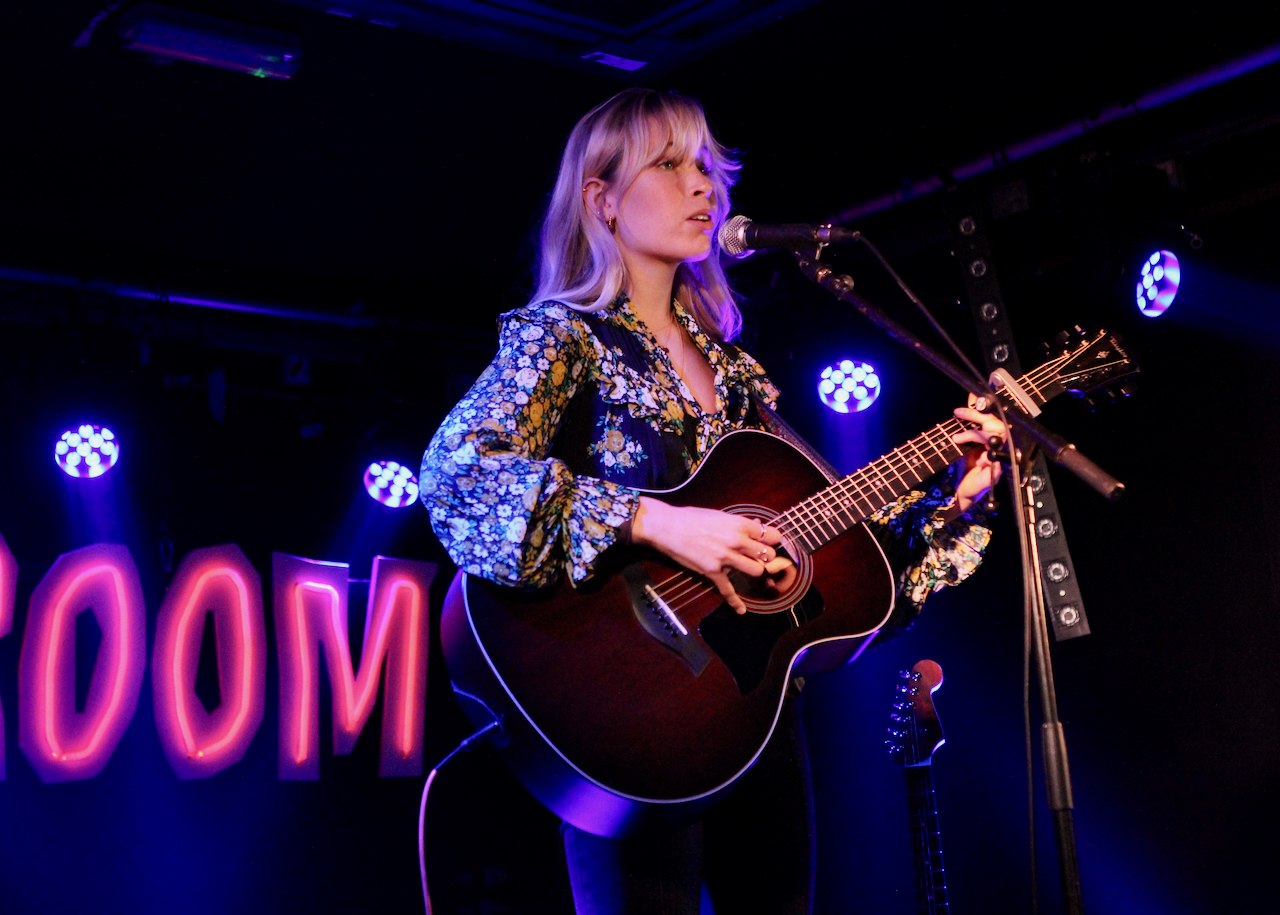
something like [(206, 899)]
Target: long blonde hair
[(579, 262)]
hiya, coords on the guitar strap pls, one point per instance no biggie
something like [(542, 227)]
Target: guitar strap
[(776, 425)]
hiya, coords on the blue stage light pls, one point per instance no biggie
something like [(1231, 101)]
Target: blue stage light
[(86, 452), (849, 386), (392, 484), (1158, 283)]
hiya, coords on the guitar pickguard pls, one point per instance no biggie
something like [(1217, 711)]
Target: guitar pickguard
[(745, 643)]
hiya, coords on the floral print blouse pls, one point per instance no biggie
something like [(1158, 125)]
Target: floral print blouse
[(538, 468)]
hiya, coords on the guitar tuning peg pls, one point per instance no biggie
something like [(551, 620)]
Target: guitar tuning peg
[(1045, 351), (915, 676), (897, 719), (902, 688), (1091, 404), (1080, 331), (1062, 338), (1111, 395), (1128, 388), (904, 674), (901, 706)]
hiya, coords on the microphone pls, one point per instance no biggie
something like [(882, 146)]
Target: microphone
[(740, 236)]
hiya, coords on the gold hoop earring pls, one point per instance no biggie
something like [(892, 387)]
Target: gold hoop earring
[(612, 223)]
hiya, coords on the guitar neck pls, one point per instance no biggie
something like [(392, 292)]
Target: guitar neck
[(926, 841), (829, 513)]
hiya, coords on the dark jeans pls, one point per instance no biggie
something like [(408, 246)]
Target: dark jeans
[(755, 849)]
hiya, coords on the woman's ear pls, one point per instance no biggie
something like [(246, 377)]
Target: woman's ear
[(593, 197)]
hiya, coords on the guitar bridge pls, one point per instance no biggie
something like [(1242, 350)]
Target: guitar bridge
[(663, 608), (660, 621)]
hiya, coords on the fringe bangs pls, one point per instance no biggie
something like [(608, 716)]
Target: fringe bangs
[(579, 262)]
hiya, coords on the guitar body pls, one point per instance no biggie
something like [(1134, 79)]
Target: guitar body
[(611, 717)]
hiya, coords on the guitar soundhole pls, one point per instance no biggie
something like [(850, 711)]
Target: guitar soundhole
[(775, 593), (745, 643)]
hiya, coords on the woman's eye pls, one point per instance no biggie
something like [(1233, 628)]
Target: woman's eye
[(668, 164), (704, 167)]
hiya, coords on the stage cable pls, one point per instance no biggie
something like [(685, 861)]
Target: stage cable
[(467, 744)]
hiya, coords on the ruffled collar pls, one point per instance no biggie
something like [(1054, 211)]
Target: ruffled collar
[(734, 370)]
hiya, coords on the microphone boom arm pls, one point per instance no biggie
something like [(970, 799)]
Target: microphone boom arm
[(1056, 448)]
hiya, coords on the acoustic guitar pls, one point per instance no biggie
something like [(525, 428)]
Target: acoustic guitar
[(639, 698)]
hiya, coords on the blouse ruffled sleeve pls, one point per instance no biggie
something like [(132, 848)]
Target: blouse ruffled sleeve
[(502, 509), (927, 553)]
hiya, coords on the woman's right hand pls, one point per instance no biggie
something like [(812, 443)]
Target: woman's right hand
[(709, 542)]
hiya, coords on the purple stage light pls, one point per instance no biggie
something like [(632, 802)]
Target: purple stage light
[(1158, 283), (392, 484), (88, 451), (849, 386)]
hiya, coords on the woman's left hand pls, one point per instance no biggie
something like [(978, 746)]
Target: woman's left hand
[(981, 473)]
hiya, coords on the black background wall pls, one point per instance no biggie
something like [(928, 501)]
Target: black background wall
[(391, 186)]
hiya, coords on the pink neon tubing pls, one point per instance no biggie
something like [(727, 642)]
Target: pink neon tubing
[(51, 663), (246, 666), (371, 661)]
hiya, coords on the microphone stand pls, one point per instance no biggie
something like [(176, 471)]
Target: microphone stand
[(1062, 453)]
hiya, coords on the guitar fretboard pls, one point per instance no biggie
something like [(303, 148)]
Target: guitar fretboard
[(926, 842), (830, 512)]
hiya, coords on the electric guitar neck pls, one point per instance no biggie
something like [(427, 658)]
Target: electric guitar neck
[(914, 735)]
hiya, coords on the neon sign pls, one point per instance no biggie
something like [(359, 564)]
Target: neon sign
[(310, 606), (60, 743), (8, 591), (221, 581)]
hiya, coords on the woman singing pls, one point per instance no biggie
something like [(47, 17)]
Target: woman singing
[(618, 377)]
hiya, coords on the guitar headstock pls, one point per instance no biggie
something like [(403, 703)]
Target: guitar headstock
[(1087, 363), (915, 733)]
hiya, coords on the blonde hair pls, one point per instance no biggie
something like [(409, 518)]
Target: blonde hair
[(579, 262)]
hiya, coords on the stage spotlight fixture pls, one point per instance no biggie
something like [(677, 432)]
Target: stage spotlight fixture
[(849, 386), (1158, 283), (87, 451), (183, 35), (392, 484)]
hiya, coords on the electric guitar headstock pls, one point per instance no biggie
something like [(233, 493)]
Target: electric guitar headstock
[(915, 733)]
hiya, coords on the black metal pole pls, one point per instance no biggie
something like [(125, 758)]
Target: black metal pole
[(1053, 742), (1063, 453)]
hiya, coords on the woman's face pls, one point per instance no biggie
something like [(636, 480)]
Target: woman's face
[(665, 215)]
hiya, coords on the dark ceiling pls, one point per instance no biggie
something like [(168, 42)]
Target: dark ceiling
[(399, 173)]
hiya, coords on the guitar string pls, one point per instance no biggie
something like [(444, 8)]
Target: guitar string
[(821, 511), (683, 581), (679, 584), (819, 516), (926, 826), (686, 582), (900, 457)]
